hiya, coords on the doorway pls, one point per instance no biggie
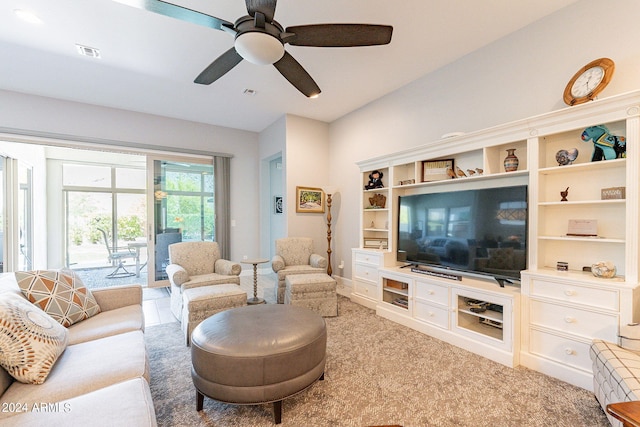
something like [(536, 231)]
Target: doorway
[(182, 205)]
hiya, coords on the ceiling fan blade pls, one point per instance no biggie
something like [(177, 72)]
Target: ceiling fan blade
[(297, 76), (179, 12), (266, 7), (340, 35), (219, 67)]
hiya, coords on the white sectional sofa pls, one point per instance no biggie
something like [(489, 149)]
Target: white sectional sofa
[(101, 377)]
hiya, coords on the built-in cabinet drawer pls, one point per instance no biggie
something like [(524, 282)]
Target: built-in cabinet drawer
[(585, 323), (560, 348), (432, 292), (366, 289), (365, 265), (438, 316), (365, 272), (367, 258), (594, 297)]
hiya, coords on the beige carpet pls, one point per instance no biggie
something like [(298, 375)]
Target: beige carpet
[(379, 372)]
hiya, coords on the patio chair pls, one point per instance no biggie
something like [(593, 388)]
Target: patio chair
[(117, 257)]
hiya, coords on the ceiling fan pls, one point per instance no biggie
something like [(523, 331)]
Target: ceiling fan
[(260, 40)]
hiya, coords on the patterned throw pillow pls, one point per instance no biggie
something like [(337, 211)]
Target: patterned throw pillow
[(30, 340), (61, 294)]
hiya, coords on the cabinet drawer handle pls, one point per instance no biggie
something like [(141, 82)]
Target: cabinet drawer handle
[(569, 351), (431, 314), (569, 293), (569, 319), (431, 292)]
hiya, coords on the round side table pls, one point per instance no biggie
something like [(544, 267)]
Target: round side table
[(255, 262)]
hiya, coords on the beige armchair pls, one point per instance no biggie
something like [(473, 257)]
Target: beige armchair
[(294, 255), (193, 264)]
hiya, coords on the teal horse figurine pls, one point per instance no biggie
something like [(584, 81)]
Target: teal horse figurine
[(605, 145)]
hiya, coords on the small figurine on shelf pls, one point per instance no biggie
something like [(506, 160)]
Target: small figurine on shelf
[(479, 171), (378, 201), (605, 145), (471, 172), (375, 180), (564, 195), (460, 172), (566, 157), (450, 172)]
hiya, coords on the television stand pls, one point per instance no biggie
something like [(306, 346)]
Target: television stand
[(471, 313)]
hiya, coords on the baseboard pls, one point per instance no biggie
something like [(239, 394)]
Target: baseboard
[(344, 286)]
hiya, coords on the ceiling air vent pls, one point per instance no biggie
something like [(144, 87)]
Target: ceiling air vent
[(91, 52)]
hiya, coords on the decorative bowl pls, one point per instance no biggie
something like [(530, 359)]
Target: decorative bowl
[(604, 269)]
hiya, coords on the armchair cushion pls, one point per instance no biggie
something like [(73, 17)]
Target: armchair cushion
[(318, 261), (223, 266), (177, 275), (277, 263)]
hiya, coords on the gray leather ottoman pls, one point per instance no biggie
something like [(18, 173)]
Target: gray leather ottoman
[(258, 354)]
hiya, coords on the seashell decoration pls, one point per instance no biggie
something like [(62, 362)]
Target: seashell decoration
[(604, 269), (566, 157)]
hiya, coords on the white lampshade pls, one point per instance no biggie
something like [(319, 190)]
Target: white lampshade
[(259, 48)]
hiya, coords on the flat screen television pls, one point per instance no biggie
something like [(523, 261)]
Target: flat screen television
[(481, 231)]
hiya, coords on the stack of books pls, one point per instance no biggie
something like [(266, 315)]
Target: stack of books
[(401, 302)]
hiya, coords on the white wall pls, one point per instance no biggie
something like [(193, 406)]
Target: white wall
[(307, 163), (521, 75), (89, 122)]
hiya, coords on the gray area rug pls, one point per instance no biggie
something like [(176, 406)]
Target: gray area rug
[(379, 372)]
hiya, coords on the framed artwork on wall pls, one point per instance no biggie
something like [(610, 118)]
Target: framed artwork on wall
[(309, 200), (277, 205)]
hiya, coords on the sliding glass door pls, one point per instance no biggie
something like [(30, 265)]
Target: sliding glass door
[(182, 205)]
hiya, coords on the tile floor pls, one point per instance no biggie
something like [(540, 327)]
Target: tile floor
[(155, 304)]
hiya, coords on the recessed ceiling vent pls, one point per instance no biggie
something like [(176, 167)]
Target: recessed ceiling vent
[(91, 52)]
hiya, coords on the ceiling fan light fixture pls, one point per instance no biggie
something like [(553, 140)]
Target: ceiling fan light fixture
[(259, 48)]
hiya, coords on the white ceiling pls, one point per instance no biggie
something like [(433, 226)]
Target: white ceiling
[(149, 61)]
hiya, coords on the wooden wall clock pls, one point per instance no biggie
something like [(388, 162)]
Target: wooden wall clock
[(589, 81)]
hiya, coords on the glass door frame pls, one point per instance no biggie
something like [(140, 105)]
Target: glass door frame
[(17, 205), (151, 204)]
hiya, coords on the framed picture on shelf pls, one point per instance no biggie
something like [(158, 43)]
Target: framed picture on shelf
[(309, 200), (436, 170)]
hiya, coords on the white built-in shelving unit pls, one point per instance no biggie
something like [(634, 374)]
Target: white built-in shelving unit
[(553, 316)]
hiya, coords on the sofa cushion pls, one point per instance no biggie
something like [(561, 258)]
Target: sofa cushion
[(108, 323), (30, 340), (124, 404), (59, 293), (84, 368)]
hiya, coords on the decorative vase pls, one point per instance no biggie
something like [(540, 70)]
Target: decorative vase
[(511, 162)]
